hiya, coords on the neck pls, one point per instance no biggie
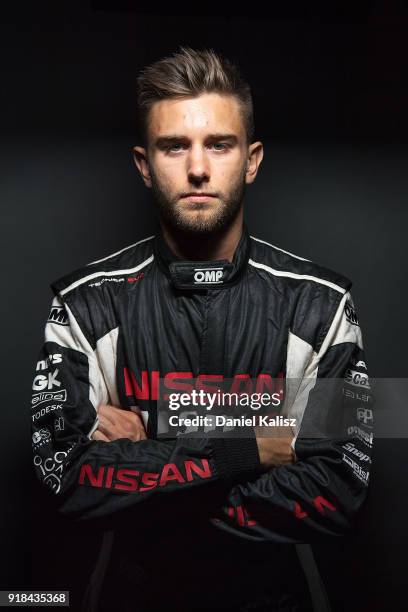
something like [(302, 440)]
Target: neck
[(216, 245)]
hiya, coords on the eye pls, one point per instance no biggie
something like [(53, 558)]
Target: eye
[(171, 147), (220, 144)]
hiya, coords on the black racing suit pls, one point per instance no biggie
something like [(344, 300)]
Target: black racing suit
[(197, 523)]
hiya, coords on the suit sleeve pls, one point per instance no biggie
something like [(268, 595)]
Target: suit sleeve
[(322, 492), (95, 479)]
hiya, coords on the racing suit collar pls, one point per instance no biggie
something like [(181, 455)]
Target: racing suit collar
[(202, 275)]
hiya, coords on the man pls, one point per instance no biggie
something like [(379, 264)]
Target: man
[(198, 521)]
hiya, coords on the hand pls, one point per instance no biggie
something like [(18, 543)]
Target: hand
[(116, 423), (276, 450)]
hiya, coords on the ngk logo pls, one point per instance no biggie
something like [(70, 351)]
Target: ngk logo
[(42, 382), (208, 275)]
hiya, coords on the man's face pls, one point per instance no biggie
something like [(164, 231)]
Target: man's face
[(197, 145)]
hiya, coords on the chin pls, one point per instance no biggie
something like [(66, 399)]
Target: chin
[(197, 229), (201, 224)]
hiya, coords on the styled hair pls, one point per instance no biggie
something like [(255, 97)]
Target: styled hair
[(190, 73)]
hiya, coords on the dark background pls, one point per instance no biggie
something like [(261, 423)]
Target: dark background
[(330, 90)]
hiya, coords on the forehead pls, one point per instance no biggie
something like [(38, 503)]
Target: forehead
[(204, 113)]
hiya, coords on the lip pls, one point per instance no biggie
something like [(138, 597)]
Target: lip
[(198, 197)]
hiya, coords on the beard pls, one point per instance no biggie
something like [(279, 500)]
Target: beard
[(200, 222)]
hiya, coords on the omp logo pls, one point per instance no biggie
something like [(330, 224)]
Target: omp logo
[(58, 315), (350, 313), (208, 275), (48, 396)]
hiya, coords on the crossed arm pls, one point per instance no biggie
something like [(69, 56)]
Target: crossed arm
[(101, 467), (116, 423)]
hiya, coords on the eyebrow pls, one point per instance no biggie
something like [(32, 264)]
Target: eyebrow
[(162, 140)]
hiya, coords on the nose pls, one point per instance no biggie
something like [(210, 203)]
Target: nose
[(198, 168)]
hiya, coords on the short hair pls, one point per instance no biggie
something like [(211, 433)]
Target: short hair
[(190, 73)]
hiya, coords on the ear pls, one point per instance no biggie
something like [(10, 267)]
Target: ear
[(255, 156), (142, 164)]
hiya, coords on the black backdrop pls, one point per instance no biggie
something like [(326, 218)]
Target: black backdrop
[(330, 91)]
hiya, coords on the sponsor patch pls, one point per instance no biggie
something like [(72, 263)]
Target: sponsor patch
[(106, 280), (350, 313), (58, 315), (48, 396), (212, 276)]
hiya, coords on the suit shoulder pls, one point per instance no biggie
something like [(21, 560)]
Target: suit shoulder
[(127, 260), (289, 266)]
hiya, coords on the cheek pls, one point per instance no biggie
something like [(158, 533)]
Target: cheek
[(231, 163), (229, 171), (170, 178), (170, 167), (166, 170)]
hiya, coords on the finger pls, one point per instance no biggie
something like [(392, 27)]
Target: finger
[(127, 426), (115, 415), (108, 412), (129, 419), (136, 437), (134, 431), (138, 420), (142, 435), (98, 435), (117, 423), (107, 428), (141, 429)]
